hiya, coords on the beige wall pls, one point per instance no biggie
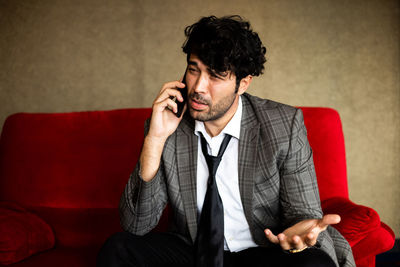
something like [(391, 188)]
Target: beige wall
[(70, 55)]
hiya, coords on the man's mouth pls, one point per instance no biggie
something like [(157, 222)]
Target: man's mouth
[(197, 105)]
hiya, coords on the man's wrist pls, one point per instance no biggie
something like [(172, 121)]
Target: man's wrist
[(150, 157), (154, 141)]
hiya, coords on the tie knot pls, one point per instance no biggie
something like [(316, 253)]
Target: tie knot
[(213, 162)]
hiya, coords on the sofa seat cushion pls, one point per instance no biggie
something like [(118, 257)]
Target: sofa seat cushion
[(22, 233), (357, 221), (376, 242), (80, 227), (62, 257)]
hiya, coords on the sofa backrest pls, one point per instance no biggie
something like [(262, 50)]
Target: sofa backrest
[(84, 159), (325, 135), (69, 160)]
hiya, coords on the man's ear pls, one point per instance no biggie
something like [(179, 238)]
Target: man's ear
[(244, 84)]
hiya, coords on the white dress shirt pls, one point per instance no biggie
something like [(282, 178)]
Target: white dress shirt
[(236, 229)]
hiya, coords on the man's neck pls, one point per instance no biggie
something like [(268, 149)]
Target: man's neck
[(215, 127)]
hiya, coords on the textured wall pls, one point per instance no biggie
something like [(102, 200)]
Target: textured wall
[(70, 55)]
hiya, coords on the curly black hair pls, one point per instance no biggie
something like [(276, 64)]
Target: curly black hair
[(226, 44)]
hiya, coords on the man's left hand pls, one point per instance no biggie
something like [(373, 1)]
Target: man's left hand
[(303, 234)]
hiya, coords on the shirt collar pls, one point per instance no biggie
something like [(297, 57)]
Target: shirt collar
[(232, 128)]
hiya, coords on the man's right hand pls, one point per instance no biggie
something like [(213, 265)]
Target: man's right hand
[(162, 124), (163, 119)]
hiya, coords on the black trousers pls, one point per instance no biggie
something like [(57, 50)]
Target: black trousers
[(164, 249)]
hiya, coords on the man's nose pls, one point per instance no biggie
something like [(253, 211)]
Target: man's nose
[(201, 85)]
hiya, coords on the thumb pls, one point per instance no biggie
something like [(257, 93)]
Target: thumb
[(329, 219)]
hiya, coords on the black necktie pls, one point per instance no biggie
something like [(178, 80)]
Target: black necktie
[(210, 232)]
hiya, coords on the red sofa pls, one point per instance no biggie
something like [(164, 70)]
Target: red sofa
[(62, 174)]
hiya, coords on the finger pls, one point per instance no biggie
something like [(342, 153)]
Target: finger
[(271, 237), (169, 93), (172, 85), (283, 242), (328, 220), (172, 105), (167, 103), (310, 239), (298, 242), (331, 219)]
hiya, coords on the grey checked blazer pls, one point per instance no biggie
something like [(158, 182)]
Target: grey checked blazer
[(277, 180)]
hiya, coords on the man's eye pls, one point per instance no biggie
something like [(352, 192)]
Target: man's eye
[(216, 77)]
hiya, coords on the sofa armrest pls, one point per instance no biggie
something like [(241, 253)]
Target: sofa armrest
[(356, 220)]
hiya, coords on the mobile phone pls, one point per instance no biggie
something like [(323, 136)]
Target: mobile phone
[(184, 95)]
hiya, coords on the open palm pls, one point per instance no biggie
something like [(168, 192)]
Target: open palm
[(303, 234)]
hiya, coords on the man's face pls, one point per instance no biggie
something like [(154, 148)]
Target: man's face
[(210, 96)]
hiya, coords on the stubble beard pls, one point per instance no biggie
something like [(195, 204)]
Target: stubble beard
[(215, 111)]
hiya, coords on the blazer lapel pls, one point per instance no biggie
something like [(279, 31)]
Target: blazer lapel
[(248, 141), (186, 151)]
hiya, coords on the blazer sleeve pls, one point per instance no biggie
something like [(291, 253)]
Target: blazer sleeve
[(299, 196), (142, 203)]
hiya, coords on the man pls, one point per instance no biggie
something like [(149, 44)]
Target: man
[(236, 170)]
